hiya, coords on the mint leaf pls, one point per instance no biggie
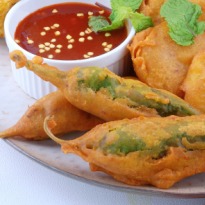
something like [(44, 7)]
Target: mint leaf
[(117, 20), (113, 26), (133, 4), (120, 14), (140, 21), (121, 10), (182, 16), (97, 23)]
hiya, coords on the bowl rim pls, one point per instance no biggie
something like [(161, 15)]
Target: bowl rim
[(8, 36)]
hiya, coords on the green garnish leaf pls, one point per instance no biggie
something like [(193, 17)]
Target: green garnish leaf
[(121, 10), (133, 4), (182, 18), (117, 17), (140, 21), (97, 23)]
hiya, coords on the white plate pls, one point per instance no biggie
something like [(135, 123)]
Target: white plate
[(14, 102)]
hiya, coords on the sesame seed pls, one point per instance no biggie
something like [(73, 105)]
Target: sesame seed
[(68, 36), (30, 41), (46, 28), (71, 40), (107, 34), (90, 13), (82, 33), (90, 38), (52, 45), (53, 40), (104, 44), (86, 56), (41, 46), (57, 50), (53, 27), (80, 14), (56, 25), (55, 11), (88, 31), (70, 46), (90, 53), (17, 41), (59, 46), (43, 33), (47, 48), (81, 39), (106, 49), (41, 50), (47, 44), (50, 56), (109, 46), (57, 33), (101, 12)]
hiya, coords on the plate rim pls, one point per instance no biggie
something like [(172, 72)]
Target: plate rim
[(135, 190)]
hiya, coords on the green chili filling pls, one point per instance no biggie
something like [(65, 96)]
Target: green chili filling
[(124, 143), (96, 84), (195, 139), (137, 96)]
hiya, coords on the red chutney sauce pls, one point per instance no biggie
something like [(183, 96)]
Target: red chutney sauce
[(61, 32)]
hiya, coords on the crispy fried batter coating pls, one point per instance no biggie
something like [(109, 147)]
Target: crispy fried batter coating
[(5, 5), (140, 151), (102, 93), (194, 83), (68, 117), (161, 63), (152, 8)]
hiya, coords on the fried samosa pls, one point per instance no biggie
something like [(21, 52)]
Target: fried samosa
[(152, 8), (161, 63), (142, 151), (194, 83), (68, 117), (5, 6), (104, 94)]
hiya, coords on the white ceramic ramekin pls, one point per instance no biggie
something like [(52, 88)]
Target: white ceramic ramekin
[(117, 60)]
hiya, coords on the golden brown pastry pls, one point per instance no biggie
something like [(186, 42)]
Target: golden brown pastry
[(161, 63), (152, 8), (194, 83)]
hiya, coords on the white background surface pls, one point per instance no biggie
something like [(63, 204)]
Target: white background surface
[(25, 182)]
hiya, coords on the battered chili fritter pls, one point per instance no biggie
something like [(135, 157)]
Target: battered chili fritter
[(104, 94), (157, 151), (68, 117)]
